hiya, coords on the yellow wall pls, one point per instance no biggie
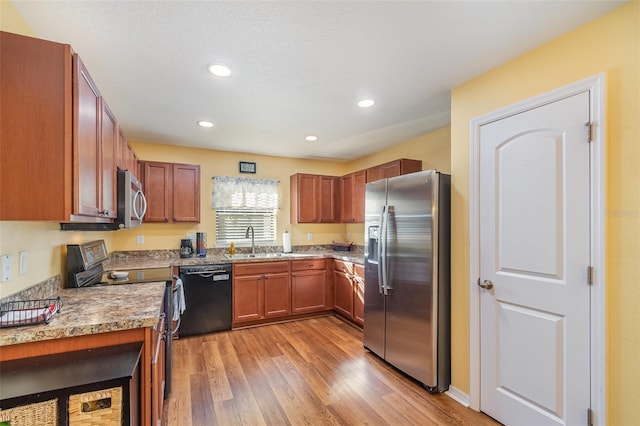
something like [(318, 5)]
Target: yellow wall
[(11, 21), (433, 148), (610, 44)]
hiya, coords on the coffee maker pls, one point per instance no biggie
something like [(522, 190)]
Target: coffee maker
[(186, 248)]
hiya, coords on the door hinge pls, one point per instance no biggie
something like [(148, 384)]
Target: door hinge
[(589, 417), (589, 127), (590, 275)]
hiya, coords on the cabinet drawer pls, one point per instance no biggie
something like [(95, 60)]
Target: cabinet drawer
[(260, 268), (342, 266), (304, 265)]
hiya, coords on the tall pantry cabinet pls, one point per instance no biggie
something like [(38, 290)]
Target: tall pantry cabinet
[(57, 136)]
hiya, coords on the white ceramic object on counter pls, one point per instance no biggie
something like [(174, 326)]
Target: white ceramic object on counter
[(119, 274)]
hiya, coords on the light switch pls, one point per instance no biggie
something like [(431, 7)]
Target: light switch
[(309, 236), (6, 267), (140, 239)]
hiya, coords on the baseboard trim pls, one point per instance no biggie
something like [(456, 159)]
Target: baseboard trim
[(458, 396)]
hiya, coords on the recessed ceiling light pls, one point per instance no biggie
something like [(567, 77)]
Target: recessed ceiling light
[(220, 70), (366, 103), (205, 124), (311, 138)]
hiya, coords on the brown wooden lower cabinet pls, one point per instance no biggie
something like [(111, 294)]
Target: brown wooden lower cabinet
[(349, 290), (261, 290), (264, 291), (276, 295), (344, 294), (358, 294), (309, 286)]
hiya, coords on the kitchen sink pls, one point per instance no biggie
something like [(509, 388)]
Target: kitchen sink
[(268, 255)]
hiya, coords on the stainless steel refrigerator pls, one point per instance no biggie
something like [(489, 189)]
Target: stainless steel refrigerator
[(407, 274)]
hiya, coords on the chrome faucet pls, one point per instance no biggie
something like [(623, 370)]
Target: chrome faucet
[(253, 242)]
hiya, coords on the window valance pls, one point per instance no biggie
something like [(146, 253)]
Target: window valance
[(245, 193)]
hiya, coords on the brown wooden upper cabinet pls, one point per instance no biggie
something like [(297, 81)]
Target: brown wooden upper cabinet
[(172, 191), (314, 198), (393, 168), (95, 132), (107, 162), (57, 136), (126, 158), (352, 188)]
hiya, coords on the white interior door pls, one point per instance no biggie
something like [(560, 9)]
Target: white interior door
[(534, 250)]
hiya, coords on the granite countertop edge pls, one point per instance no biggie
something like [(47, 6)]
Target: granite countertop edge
[(94, 310), (140, 262)]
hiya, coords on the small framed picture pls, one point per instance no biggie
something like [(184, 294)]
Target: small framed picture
[(246, 167)]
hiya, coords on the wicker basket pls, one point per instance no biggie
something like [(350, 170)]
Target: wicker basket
[(40, 413), (98, 408)]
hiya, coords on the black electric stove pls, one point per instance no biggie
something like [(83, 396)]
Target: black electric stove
[(85, 269)]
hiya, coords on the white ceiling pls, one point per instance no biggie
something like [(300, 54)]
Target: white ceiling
[(298, 67)]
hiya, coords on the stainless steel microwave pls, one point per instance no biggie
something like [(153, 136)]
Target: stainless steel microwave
[(132, 204)]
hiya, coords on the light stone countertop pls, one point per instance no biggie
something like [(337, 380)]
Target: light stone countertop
[(94, 310), (141, 262)]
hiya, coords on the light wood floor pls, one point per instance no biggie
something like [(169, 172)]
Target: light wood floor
[(310, 372)]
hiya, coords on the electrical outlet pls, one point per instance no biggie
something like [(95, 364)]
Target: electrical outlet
[(348, 236), (310, 236), (24, 256), (6, 267), (140, 239)]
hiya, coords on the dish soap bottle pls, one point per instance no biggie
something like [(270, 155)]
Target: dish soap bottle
[(232, 249)]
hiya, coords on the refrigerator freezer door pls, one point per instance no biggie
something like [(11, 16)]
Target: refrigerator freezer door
[(374, 312), (411, 304)]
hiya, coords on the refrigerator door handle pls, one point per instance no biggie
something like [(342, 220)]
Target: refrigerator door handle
[(388, 283), (382, 259), (381, 252)]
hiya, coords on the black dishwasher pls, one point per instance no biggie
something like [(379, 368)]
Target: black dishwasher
[(207, 295)]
